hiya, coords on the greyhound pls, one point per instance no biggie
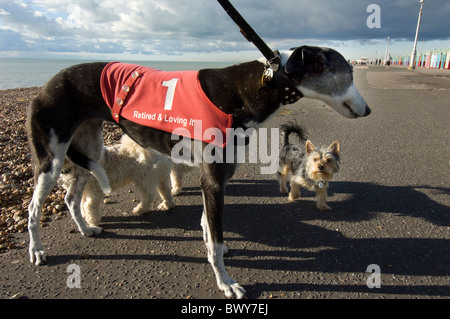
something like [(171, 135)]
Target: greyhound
[(65, 121)]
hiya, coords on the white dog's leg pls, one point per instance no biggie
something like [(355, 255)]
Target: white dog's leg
[(147, 192), (73, 202), (176, 180), (166, 195), (90, 205)]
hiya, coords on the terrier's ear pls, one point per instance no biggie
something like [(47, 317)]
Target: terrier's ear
[(309, 147), (335, 147)]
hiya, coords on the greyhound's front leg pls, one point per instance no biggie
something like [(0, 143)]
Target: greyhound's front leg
[(213, 200)]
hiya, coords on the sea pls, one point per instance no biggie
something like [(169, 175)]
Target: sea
[(26, 72)]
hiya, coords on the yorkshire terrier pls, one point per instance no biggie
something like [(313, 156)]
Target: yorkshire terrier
[(308, 167)]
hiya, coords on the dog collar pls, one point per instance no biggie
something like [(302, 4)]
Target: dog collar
[(274, 76), (287, 91)]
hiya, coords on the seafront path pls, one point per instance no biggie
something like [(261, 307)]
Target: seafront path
[(387, 235)]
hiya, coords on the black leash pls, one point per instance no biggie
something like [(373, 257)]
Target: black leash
[(287, 90), (250, 34)]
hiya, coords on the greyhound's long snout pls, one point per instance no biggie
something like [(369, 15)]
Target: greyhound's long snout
[(368, 111)]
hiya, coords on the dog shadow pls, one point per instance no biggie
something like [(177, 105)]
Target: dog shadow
[(297, 245), (329, 250), (363, 201)]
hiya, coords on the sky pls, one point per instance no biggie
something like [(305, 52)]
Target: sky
[(200, 30)]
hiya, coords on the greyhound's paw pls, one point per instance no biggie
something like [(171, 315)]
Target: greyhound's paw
[(233, 290), (37, 256), (91, 231)]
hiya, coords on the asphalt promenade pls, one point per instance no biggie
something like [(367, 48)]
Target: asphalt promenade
[(387, 235)]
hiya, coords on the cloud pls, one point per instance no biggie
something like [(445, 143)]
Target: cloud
[(174, 27)]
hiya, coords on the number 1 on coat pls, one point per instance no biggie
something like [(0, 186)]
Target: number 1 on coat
[(170, 93)]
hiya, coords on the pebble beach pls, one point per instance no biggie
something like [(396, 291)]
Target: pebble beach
[(16, 181)]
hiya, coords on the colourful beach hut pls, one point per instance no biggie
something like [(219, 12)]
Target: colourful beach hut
[(446, 59)]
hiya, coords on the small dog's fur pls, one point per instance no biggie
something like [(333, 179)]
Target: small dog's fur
[(177, 176), (308, 167), (125, 163)]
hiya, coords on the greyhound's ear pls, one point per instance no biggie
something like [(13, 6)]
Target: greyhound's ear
[(307, 60), (295, 61)]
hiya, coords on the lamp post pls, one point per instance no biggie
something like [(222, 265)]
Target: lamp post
[(387, 50), (412, 63)]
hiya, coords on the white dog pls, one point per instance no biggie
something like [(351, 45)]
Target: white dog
[(126, 163), (177, 176)]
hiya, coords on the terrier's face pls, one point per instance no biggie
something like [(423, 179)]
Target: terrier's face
[(322, 164)]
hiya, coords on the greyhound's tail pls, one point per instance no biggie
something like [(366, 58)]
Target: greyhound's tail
[(92, 166), (292, 127)]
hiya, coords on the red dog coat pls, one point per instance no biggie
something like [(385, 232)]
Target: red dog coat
[(162, 100)]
